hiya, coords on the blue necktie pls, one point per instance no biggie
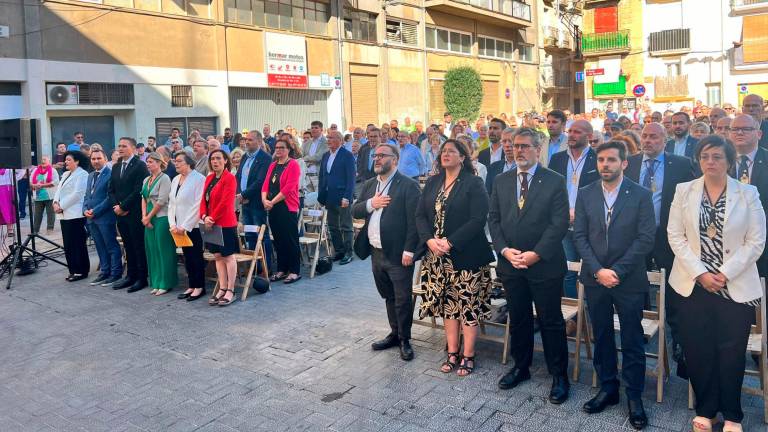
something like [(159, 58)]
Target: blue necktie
[(650, 170)]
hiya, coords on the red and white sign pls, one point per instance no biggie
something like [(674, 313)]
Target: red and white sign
[(286, 57), (595, 72)]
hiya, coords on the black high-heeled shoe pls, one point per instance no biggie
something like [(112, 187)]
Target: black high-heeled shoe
[(184, 295), (191, 297)]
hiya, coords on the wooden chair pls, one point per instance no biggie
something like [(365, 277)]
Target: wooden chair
[(653, 324), (315, 239), (357, 225), (573, 308), (247, 262), (757, 345)]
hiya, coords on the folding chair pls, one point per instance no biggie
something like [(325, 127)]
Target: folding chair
[(357, 225), (505, 326), (757, 345), (573, 308), (416, 292), (315, 238), (250, 259), (653, 324)]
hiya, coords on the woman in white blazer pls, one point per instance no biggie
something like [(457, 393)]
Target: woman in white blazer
[(717, 231), (184, 216), (68, 205)]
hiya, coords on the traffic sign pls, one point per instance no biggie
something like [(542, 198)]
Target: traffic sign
[(638, 90), (579, 76), (595, 72)]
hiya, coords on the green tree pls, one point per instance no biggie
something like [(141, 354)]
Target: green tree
[(463, 92)]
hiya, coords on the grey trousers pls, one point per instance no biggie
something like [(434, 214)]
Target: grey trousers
[(46, 206), (340, 228)]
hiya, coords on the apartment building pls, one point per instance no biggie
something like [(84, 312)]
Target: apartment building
[(111, 68), (560, 60)]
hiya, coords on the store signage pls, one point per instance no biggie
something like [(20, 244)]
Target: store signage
[(579, 77), (286, 60), (743, 89), (638, 90), (596, 72)]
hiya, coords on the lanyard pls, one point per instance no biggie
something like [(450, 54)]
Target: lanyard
[(386, 185), (575, 169)]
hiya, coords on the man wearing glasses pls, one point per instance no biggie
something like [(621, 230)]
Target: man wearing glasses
[(79, 140), (754, 105), (388, 205)]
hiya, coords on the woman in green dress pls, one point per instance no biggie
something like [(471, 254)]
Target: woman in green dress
[(158, 243)]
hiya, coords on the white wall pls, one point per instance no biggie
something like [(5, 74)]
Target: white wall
[(154, 101)]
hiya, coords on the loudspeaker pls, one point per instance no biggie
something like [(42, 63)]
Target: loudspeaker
[(18, 142)]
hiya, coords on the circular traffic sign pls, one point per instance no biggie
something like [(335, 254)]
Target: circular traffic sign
[(638, 90)]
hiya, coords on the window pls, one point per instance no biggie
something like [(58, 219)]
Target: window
[(525, 52), (713, 94), (306, 16), (402, 33), (105, 94), (606, 19), (755, 38), (673, 69), (496, 48), (447, 40), (359, 25), (181, 96)]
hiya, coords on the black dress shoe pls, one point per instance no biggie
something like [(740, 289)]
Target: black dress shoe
[(513, 378), (99, 280), (184, 295), (600, 402), (78, 277), (122, 283), (637, 417), (388, 342), (69, 277), (137, 286), (346, 260), (338, 256), (559, 392), (679, 357), (406, 352), (193, 298)]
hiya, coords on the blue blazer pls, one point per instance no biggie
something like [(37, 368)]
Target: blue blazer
[(340, 182), (690, 146), (97, 198), (256, 177), (622, 246)]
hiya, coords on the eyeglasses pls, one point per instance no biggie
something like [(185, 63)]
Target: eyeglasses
[(521, 146), (723, 128), (745, 130), (381, 156), (713, 158)]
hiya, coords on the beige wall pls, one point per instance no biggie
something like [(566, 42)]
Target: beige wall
[(11, 15)]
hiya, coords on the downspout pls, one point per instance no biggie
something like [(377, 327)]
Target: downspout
[(340, 48)]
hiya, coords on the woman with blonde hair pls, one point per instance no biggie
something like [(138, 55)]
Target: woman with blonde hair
[(158, 243)]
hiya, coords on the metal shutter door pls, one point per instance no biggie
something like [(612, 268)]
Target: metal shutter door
[(490, 103), (436, 101), (755, 36), (365, 105), (251, 108), (163, 128), (206, 125)]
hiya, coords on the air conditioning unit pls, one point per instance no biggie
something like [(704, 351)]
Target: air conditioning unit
[(63, 94)]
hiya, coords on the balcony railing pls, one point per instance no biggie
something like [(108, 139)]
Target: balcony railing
[(555, 79), (749, 6), (596, 43), (669, 41), (671, 87), (513, 8)]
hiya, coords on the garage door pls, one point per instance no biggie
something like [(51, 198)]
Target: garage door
[(251, 108), (490, 103), (365, 100), (436, 101)]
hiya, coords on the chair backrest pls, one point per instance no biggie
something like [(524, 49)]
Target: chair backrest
[(574, 266), (317, 215), (760, 314)]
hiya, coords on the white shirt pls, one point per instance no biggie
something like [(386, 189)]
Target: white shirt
[(610, 197), (374, 224), (498, 154), (184, 201), (331, 157)]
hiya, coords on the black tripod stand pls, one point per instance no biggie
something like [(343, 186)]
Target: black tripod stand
[(22, 252)]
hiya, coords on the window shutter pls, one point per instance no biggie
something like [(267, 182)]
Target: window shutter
[(490, 103), (364, 100), (436, 100), (755, 38), (606, 19)]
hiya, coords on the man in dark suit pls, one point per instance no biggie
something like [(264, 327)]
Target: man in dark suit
[(128, 175), (250, 177), (364, 163), (527, 228), (388, 205), (101, 221), (614, 230), (577, 164), (494, 152), (504, 165), (660, 172), (681, 143), (335, 190)]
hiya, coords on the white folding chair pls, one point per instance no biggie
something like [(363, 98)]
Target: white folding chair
[(315, 239)]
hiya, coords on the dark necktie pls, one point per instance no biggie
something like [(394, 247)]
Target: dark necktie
[(523, 189), (95, 179), (123, 167), (650, 170), (744, 168)]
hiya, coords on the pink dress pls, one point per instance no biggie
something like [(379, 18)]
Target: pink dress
[(7, 210)]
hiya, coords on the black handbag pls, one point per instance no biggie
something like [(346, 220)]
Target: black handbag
[(260, 285), (324, 265)]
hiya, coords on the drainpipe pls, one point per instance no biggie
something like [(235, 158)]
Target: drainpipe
[(340, 49)]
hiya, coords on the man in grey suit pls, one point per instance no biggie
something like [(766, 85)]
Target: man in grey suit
[(313, 151)]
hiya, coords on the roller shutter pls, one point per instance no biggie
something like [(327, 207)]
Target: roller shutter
[(755, 38), (490, 103), (365, 105)]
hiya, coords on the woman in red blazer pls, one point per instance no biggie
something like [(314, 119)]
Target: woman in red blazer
[(218, 208), (280, 195)]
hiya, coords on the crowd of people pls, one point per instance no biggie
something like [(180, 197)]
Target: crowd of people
[(683, 191)]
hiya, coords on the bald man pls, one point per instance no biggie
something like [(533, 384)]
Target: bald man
[(754, 105), (661, 172)]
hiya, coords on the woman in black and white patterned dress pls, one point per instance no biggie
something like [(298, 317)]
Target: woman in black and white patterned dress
[(717, 232)]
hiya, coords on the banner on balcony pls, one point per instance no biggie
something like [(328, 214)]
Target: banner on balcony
[(286, 60), (611, 66)]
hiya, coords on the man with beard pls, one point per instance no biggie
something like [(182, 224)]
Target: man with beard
[(527, 228), (388, 205), (558, 141), (613, 232), (494, 152), (681, 144)]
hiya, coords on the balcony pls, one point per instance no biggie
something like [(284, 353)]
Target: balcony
[(618, 88), (496, 12), (594, 44), (669, 42), (670, 88), (555, 38), (555, 79), (744, 7), (738, 63)]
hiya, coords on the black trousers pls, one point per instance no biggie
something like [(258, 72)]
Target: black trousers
[(285, 231), (132, 233), (74, 237), (340, 228), (714, 333), (395, 285), (545, 295), (194, 262)]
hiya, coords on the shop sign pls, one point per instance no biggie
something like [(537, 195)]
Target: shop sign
[(286, 60)]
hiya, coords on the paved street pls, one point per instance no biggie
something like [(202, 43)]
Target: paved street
[(81, 358)]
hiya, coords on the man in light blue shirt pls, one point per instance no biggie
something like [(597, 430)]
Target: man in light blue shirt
[(79, 140), (681, 144), (411, 163)]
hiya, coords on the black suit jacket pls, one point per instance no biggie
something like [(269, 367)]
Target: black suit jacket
[(125, 190), (677, 169), (494, 170), (622, 246), (539, 226), (690, 146), (559, 164), (362, 171), (466, 212), (398, 219), (759, 179), (256, 176)]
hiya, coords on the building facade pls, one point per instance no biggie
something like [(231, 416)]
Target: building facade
[(112, 68), (560, 60)]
